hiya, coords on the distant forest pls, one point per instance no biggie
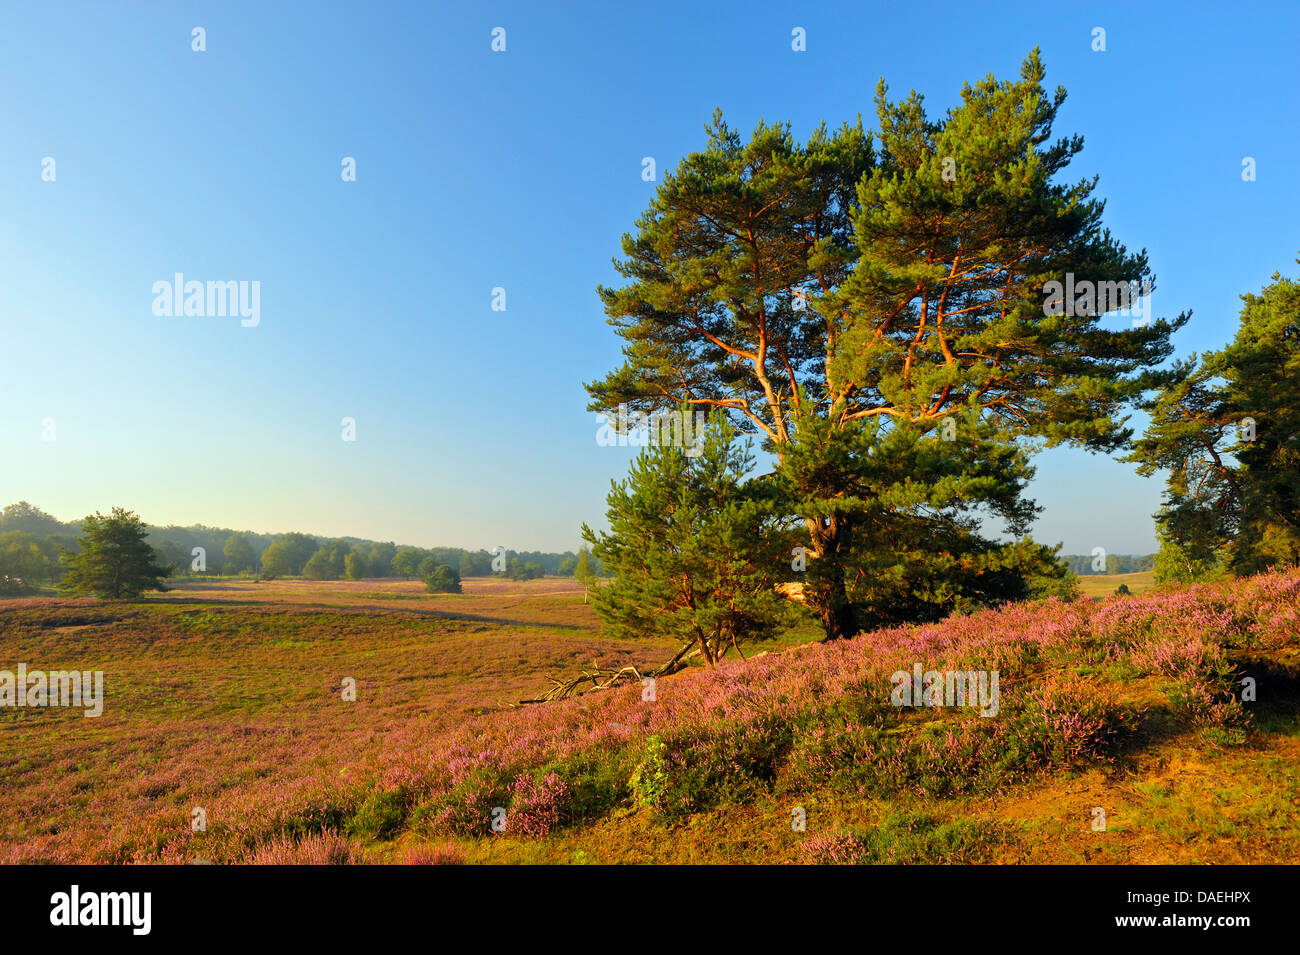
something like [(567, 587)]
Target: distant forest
[(30, 540), (1115, 564)]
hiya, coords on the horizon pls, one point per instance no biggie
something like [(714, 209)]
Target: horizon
[(370, 540)]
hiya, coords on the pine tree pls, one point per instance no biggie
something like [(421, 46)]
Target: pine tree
[(1226, 427), (115, 561), (694, 549), (832, 285), (442, 579)]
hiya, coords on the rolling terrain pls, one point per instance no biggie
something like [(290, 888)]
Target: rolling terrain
[(229, 697)]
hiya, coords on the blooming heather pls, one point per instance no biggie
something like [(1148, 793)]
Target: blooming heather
[(813, 716)]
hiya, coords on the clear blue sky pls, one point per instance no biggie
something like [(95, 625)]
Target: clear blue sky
[(520, 169)]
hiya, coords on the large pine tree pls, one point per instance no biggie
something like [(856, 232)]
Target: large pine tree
[(864, 295)]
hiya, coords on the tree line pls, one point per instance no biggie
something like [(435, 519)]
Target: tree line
[(32, 543), (1083, 565)]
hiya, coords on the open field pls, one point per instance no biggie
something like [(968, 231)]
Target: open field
[(1103, 585), (228, 698), (233, 689)]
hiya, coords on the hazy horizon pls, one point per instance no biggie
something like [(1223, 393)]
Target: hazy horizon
[(398, 542)]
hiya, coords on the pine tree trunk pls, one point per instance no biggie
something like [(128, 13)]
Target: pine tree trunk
[(827, 591), (704, 647)]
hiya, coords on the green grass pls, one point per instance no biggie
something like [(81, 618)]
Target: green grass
[(1103, 585)]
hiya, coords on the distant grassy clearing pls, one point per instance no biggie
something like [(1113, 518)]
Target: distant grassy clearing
[(1102, 585)]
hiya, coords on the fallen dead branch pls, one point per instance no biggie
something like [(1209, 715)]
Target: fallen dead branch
[(602, 678)]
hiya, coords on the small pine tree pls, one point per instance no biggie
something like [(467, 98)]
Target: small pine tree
[(115, 561), (695, 550), (442, 579)]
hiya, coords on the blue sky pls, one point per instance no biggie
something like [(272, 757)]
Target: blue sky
[(521, 170)]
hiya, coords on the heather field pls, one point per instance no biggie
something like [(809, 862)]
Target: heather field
[(227, 697)]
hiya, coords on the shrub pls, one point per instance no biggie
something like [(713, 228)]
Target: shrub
[(845, 753), (717, 766), (650, 780), (15, 587), (837, 848), (442, 579), (466, 808), (597, 782), (538, 805), (1066, 721), (1209, 703), (381, 815), (1204, 681), (316, 813), (1062, 722)]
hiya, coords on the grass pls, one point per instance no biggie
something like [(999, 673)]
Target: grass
[(228, 696), (1103, 585), (230, 691)]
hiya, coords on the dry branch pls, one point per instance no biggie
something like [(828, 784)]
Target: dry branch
[(602, 678)]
